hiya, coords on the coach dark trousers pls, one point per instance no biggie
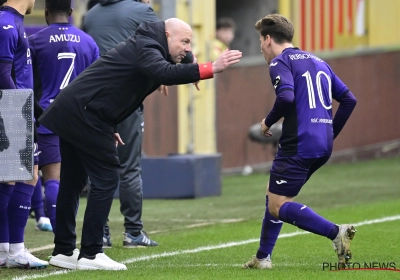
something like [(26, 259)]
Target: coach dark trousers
[(76, 166), (130, 184)]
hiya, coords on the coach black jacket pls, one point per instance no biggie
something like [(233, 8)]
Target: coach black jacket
[(86, 112)]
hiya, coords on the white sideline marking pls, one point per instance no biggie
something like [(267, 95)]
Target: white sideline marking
[(207, 248), (46, 247), (212, 222), (35, 276)]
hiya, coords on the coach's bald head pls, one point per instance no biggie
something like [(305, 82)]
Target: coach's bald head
[(179, 36)]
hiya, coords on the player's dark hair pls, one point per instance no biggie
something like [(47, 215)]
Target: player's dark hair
[(58, 6), (225, 22), (277, 26)]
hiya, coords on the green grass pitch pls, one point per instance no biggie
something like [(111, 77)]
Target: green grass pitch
[(210, 238)]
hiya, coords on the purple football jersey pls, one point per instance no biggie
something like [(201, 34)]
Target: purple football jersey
[(307, 128), (60, 53), (14, 47)]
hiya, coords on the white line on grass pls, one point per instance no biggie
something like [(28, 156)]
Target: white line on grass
[(208, 248), (202, 224)]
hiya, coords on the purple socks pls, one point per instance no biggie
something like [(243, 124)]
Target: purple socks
[(51, 192), (37, 201), (18, 211), (305, 218), (5, 194), (269, 233)]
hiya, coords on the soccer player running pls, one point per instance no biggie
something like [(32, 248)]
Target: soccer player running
[(60, 52), (304, 86), (15, 198)]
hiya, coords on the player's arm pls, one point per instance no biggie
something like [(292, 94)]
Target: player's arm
[(282, 80), (8, 46), (283, 102), (6, 81), (347, 102)]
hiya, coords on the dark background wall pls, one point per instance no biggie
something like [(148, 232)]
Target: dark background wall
[(245, 13), (245, 95)]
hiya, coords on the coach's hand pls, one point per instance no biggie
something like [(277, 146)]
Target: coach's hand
[(226, 59), (118, 139), (163, 89), (265, 129)]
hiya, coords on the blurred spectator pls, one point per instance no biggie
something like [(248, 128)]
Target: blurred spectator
[(225, 33)]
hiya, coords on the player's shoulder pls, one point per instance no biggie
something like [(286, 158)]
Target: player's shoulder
[(278, 62), (40, 34), (7, 24)]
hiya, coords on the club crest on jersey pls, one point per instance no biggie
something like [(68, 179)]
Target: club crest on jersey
[(65, 38), (277, 81)]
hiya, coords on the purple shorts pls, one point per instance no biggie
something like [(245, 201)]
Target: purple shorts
[(49, 146), (289, 174), (35, 154)]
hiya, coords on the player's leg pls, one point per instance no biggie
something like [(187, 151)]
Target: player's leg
[(270, 229), (104, 178), (73, 178), (130, 187), (42, 222), (346, 232), (49, 163), (107, 236), (5, 195), (288, 175), (283, 189), (18, 213)]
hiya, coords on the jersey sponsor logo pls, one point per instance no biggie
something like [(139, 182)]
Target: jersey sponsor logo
[(304, 207), (317, 120), (280, 182), (65, 38), (273, 64), (8, 27), (28, 57), (277, 81)]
